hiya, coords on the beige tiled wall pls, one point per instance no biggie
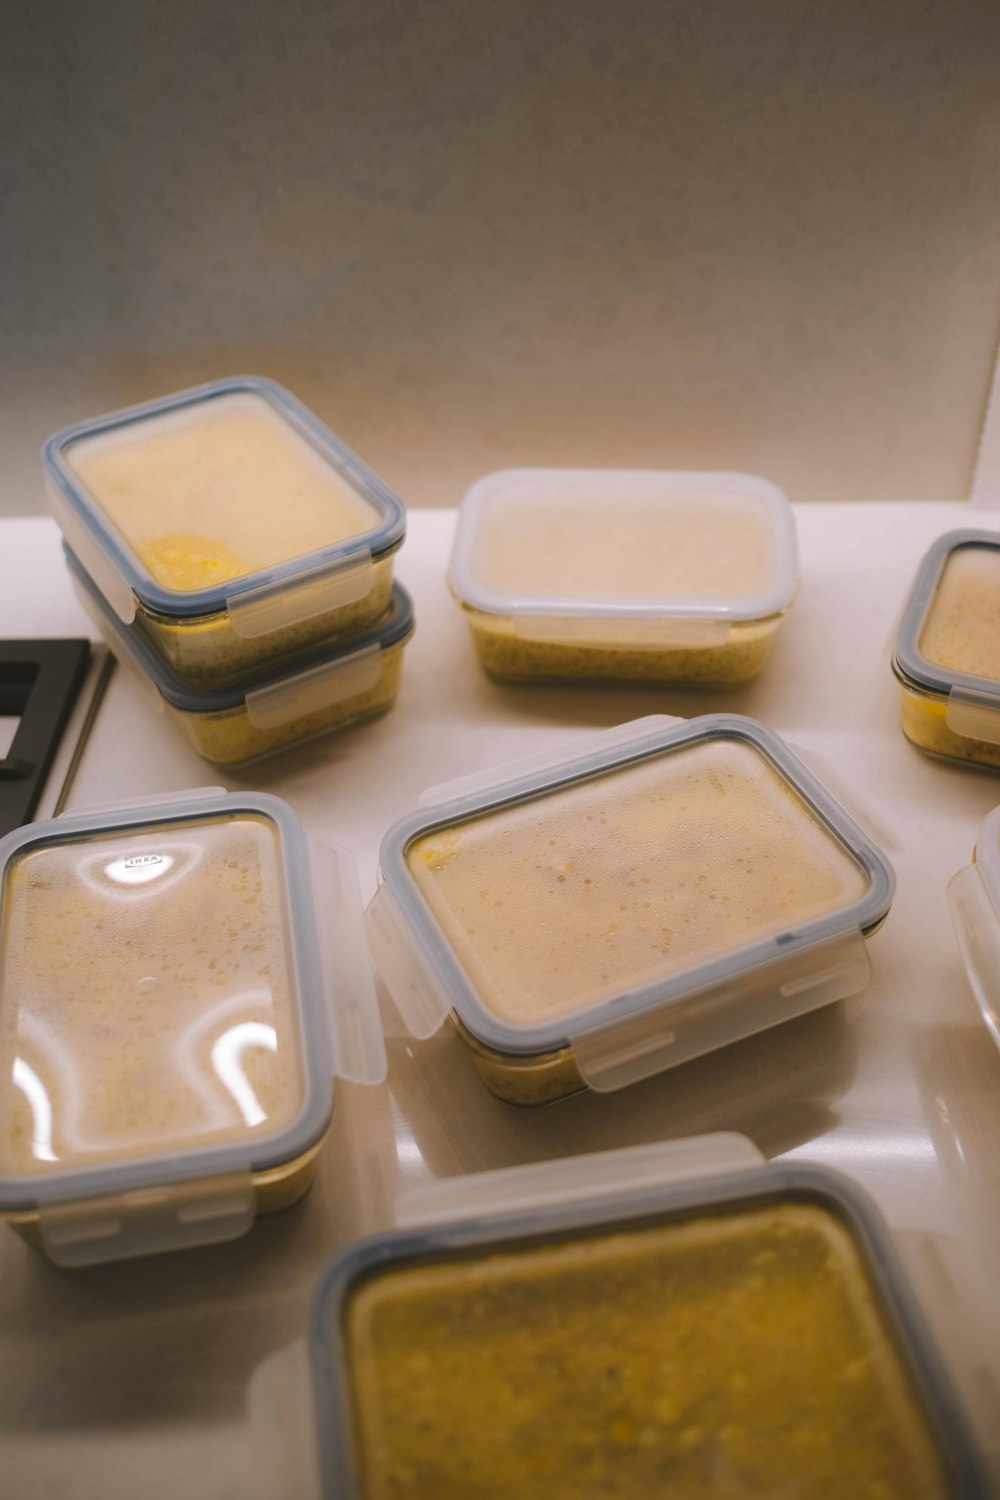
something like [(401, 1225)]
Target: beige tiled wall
[(759, 234)]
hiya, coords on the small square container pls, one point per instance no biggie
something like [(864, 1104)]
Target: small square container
[(624, 574), (180, 982), (947, 657), (580, 1329), (273, 707), (974, 898), (228, 523), (596, 919)]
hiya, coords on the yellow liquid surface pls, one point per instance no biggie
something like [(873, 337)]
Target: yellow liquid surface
[(615, 546), (559, 902), (145, 996), (213, 493), (726, 1357), (962, 629)]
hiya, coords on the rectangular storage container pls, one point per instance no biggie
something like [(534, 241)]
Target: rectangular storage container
[(180, 981), (229, 524), (974, 897), (745, 1332), (639, 576), (947, 657), (271, 708), (628, 907)]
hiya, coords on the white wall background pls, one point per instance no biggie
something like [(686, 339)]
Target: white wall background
[(760, 234)]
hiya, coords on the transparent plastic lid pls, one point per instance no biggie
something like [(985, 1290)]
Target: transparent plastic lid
[(625, 544), (217, 492), (167, 1010), (833, 1377), (338, 670), (974, 898), (949, 635), (700, 859)]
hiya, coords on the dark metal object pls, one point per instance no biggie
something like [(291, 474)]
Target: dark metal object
[(39, 682)]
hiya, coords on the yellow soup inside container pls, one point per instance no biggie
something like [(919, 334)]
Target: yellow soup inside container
[(618, 574), (567, 899), (209, 494), (218, 491), (737, 1354), (147, 996), (962, 630)]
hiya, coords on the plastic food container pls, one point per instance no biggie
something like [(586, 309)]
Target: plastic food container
[(947, 655), (974, 897), (642, 576), (582, 1329), (599, 917), (173, 1016), (228, 523), (273, 707)]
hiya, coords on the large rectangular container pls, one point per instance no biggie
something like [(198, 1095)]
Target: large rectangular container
[(180, 982), (620, 910), (580, 1329), (228, 523)]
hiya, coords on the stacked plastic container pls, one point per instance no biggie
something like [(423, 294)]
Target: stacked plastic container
[(239, 557)]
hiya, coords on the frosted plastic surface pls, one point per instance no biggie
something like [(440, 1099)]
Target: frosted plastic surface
[(603, 537), (214, 492), (962, 630), (569, 898), (146, 999), (737, 1354)]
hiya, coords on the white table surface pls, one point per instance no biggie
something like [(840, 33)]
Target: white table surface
[(132, 1379)]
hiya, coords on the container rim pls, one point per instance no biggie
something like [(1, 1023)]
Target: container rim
[(941, 1408), (252, 1153), (912, 667), (527, 1040), (988, 856), (489, 490), (394, 627), (377, 541)]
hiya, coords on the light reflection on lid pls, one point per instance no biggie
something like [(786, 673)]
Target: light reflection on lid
[(138, 869)]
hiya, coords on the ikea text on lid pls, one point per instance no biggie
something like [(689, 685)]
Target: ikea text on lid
[(947, 657), (746, 1331), (230, 522), (169, 1019), (268, 709), (633, 574), (629, 908)]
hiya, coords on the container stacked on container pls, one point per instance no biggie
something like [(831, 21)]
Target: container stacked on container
[(236, 554)]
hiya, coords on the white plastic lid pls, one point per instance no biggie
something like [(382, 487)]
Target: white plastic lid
[(626, 545)]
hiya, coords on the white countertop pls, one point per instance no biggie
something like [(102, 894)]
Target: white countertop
[(132, 1379)]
